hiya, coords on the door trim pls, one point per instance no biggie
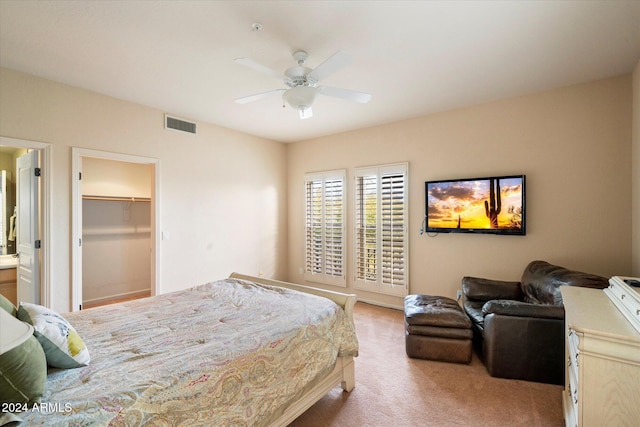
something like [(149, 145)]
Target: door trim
[(46, 212), (76, 212)]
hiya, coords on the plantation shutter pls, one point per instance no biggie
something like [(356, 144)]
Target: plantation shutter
[(393, 230), (381, 237), (325, 228), (366, 232), (314, 226)]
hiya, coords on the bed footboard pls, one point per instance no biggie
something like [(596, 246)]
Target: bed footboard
[(346, 301)]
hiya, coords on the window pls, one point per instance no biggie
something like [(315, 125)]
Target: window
[(325, 228), (381, 219)]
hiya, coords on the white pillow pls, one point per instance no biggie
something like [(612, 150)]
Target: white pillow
[(61, 343)]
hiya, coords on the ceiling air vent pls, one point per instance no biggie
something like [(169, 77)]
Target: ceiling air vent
[(179, 124)]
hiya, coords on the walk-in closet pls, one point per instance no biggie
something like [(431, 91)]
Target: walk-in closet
[(116, 231)]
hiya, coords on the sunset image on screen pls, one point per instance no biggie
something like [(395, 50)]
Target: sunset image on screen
[(473, 204)]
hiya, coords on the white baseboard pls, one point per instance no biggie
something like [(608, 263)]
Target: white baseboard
[(380, 304), (132, 294)]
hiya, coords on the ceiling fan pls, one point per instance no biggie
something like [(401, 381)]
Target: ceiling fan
[(303, 82)]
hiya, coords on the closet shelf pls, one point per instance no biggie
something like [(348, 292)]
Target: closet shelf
[(116, 198), (116, 231)]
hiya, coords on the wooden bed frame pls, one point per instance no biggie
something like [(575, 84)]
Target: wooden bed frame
[(343, 373)]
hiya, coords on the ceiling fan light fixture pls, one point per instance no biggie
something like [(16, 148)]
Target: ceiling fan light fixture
[(301, 98), (305, 112)]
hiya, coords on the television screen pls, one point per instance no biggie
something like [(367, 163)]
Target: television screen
[(494, 205)]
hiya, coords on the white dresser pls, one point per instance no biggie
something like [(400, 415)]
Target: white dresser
[(602, 384)]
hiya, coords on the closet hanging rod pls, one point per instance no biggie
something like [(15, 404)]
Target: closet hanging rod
[(116, 198)]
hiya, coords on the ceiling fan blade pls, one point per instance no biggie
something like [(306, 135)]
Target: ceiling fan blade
[(335, 62), (350, 95), (261, 68), (257, 96)]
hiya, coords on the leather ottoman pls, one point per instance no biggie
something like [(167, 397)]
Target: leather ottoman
[(436, 328)]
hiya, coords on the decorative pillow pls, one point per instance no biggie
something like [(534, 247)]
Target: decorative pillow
[(23, 366), (61, 343), (7, 306)]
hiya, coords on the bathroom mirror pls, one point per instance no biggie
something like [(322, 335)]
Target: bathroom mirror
[(7, 214)]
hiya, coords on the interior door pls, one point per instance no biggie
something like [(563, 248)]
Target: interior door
[(27, 236)]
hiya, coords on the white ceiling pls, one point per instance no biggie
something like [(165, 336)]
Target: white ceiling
[(414, 57)]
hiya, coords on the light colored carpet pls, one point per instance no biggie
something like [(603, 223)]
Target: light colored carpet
[(394, 390)]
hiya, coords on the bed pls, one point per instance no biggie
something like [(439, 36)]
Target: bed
[(242, 351)]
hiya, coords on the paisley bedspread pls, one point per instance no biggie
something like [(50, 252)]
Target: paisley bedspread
[(228, 353)]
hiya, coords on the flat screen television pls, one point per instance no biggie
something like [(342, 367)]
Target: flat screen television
[(492, 205)]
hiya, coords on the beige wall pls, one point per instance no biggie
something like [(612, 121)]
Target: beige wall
[(226, 196), (574, 145), (221, 192), (635, 213)]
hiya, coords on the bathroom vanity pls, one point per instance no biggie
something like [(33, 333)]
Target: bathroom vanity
[(8, 281)]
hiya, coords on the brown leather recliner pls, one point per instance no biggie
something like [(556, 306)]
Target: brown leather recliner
[(518, 327)]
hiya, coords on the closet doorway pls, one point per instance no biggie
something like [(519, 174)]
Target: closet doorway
[(114, 227)]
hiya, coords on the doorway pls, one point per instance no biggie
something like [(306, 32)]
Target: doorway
[(114, 225), (35, 288)]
